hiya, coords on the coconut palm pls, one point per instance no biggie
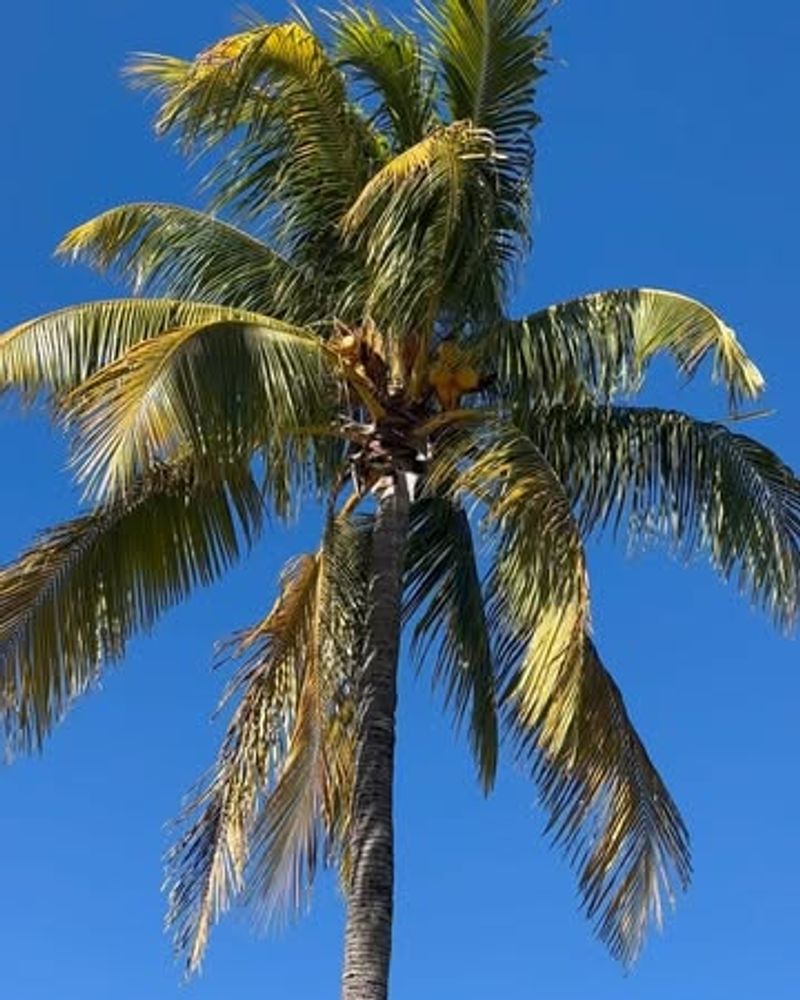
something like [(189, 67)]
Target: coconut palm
[(359, 352)]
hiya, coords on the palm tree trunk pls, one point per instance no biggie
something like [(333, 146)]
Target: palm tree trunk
[(368, 936)]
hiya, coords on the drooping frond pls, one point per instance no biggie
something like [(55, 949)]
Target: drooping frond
[(606, 803), (389, 61), (176, 252), (71, 602), (414, 220), (601, 344), (311, 798), (206, 867), (537, 586), (703, 488), (611, 812), (299, 146), (55, 352), (222, 390), (490, 55), (284, 773), (443, 592)]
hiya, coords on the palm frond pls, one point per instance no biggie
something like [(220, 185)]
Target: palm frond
[(601, 344), (389, 61), (490, 58), (176, 252), (56, 352), (443, 592), (202, 100), (206, 866), (70, 603), (221, 389), (607, 805), (299, 146), (414, 221), (538, 600), (285, 769), (490, 54), (611, 812), (664, 475), (311, 797)]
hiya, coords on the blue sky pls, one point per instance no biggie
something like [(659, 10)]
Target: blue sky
[(668, 157)]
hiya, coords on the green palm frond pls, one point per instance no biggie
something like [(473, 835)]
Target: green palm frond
[(601, 344), (71, 602), (414, 220), (705, 489), (490, 57), (389, 61), (176, 252), (443, 592), (284, 772), (611, 812), (222, 390), (56, 352)]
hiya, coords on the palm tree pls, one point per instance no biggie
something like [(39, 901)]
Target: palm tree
[(362, 354)]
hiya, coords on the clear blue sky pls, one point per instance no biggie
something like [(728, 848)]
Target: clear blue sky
[(669, 156)]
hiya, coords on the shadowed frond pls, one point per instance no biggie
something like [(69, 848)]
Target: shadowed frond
[(222, 390), (665, 475), (490, 57), (389, 61), (611, 812), (443, 592), (55, 352), (414, 220), (284, 770), (601, 344), (71, 602), (180, 253)]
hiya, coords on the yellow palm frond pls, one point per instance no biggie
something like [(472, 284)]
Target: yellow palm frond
[(220, 389), (411, 222), (283, 778), (537, 587), (207, 864), (611, 812), (55, 352), (432, 163), (606, 803), (298, 143)]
